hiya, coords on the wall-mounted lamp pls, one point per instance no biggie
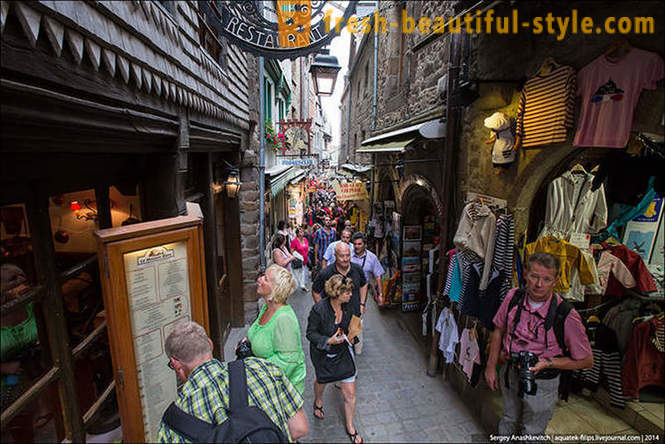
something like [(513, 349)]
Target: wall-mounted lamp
[(232, 184)]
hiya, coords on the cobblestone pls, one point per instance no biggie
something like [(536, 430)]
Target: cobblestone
[(396, 400)]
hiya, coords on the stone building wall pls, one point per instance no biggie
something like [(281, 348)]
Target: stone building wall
[(410, 66)]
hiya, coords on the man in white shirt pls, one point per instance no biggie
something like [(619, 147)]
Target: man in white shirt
[(329, 255)]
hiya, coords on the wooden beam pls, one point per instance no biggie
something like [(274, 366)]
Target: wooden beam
[(103, 206), (88, 340)]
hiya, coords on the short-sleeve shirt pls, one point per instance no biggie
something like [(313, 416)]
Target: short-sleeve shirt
[(355, 273), (530, 332), (369, 263), (329, 255), (278, 341), (323, 239), (206, 395), (610, 91)]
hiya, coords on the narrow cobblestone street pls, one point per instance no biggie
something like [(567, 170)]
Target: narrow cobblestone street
[(396, 400)]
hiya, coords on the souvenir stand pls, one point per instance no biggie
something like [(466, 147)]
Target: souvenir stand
[(600, 213)]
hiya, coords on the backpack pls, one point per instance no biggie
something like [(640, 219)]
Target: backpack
[(245, 423), (556, 318)]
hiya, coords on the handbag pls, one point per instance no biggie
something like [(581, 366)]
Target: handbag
[(336, 367), (297, 262)]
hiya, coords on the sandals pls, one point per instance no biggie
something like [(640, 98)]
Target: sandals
[(354, 436), (320, 409)]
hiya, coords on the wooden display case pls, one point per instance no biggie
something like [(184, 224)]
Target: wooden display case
[(153, 276)]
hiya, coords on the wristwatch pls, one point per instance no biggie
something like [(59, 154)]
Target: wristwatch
[(550, 364)]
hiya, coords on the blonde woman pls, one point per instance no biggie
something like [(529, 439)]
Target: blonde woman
[(275, 335), (331, 354)]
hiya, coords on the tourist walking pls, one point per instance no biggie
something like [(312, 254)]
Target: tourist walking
[(331, 351)]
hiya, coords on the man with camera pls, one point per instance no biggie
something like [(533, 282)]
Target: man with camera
[(538, 335)]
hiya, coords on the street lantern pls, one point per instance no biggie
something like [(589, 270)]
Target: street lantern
[(232, 184), (324, 69)]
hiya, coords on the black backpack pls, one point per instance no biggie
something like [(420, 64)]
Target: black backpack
[(245, 423), (556, 318)]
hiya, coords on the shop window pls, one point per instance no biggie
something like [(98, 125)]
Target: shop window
[(24, 348)]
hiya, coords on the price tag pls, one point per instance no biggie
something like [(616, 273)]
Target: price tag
[(580, 240)]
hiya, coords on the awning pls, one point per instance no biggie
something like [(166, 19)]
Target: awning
[(395, 146), (430, 129), (356, 168), (300, 175), (278, 182)]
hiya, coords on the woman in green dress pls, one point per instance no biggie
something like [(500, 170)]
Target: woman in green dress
[(275, 335)]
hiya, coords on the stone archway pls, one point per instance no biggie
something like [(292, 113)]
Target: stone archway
[(416, 180)]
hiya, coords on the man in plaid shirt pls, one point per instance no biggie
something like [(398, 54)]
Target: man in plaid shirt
[(323, 237), (205, 393)]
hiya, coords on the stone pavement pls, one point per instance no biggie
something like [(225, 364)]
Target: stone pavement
[(395, 399)]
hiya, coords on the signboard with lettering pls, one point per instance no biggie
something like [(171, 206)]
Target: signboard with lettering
[(350, 190), (279, 29), (152, 277)]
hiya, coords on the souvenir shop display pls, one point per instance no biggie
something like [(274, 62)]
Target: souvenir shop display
[(411, 268), (594, 201)]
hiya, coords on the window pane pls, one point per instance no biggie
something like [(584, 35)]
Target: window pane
[(38, 421)]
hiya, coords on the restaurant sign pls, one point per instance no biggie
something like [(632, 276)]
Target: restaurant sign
[(278, 29)]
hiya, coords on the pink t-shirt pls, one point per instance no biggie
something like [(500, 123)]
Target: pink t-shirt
[(610, 91), (301, 248), (529, 331)]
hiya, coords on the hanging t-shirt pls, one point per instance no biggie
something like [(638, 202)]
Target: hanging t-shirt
[(547, 107), (610, 91), (447, 326), (469, 352)]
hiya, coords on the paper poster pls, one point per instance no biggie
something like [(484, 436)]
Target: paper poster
[(158, 289), (640, 234)]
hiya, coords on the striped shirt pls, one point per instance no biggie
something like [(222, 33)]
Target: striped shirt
[(206, 395), (547, 107), (323, 239)]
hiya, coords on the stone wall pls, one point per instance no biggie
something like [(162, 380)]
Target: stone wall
[(249, 199), (410, 66)]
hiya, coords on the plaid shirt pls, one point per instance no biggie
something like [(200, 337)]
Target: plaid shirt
[(206, 395), (323, 239)]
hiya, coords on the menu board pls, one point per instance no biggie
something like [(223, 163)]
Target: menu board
[(159, 297)]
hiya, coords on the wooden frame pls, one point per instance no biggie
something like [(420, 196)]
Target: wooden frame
[(113, 246)]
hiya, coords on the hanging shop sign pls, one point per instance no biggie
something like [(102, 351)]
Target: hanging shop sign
[(350, 190), (307, 161), (153, 276), (280, 29), (297, 133)]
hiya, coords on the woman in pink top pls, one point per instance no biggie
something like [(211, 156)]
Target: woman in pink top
[(301, 245)]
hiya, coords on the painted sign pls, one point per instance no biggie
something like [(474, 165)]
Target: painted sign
[(350, 190), (278, 29), (641, 232)]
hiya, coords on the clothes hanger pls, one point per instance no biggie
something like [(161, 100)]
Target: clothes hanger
[(548, 65), (578, 169), (620, 43)]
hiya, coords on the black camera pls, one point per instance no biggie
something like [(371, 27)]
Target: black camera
[(527, 379), (244, 350)]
